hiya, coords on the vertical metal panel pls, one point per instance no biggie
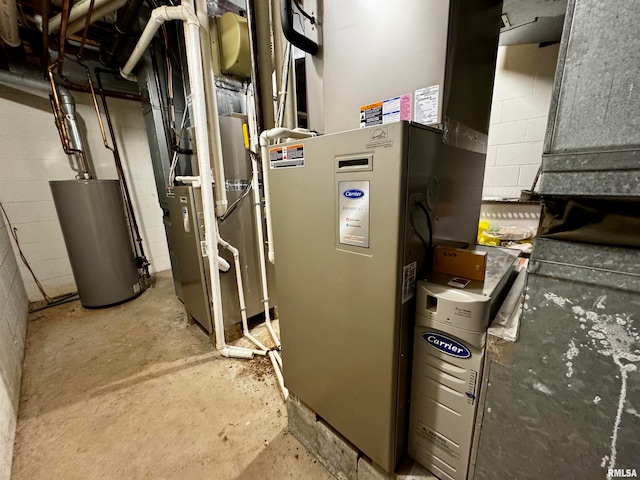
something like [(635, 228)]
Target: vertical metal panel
[(594, 120), (568, 396), (375, 50), (598, 104)]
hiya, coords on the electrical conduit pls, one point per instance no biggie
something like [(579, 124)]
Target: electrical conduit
[(196, 80)]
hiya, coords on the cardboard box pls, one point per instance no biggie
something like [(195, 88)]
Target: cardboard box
[(469, 264)]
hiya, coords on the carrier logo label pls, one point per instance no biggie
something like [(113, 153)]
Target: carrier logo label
[(353, 193), (446, 345)]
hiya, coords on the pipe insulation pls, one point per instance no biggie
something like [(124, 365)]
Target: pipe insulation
[(9, 23), (67, 104), (196, 81), (97, 13), (79, 12)]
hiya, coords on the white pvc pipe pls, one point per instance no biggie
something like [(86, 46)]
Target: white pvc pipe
[(196, 81), (97, 13), (255, 185), (158, 17), (9, 23), (263, 264), (264, 143), (193, 180), (243, 307), (285, 391), (278, 358), (212, 109), (79, 11)]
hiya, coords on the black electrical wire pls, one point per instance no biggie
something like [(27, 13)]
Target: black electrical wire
[(425, 210), (70, 297), (244, 195), (235, 204), (14, 234), (311, 18), (428, 244)]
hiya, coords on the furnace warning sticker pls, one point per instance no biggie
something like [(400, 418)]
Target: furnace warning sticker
[(388, 111), (371, 115), (287, 157), (426, 105), (409, 281)]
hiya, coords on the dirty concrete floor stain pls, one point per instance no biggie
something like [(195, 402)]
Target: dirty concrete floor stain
[(133, 392)]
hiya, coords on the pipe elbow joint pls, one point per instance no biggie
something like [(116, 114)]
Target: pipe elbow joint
[(128, 76), (221, 207), (236, 352)]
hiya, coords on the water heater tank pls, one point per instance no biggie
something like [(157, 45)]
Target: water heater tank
[(95, 231)]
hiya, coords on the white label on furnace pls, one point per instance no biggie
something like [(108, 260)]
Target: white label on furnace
[(287, 156), (353, 213), (185, 220), (409, 281), (426, 105)]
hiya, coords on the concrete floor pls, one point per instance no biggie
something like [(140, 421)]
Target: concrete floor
[(133, 392)]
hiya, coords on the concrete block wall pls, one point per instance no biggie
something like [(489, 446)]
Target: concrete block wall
[(14, 308), (521, 100), (31, 155)]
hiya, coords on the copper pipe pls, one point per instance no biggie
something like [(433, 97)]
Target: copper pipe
[(66, 8), (135, 231), (57, 110), (45, 34), (84, 36), (97, 109), (87, 41), (108, 93)]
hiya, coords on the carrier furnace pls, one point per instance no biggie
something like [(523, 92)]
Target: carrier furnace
[(350, 239)]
